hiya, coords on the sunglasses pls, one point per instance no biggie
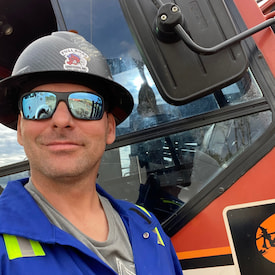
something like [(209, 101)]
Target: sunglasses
[(38, 105)]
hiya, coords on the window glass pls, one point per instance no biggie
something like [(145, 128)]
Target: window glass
[(150, 109), (163, 174), (77, 16), (102, 23)]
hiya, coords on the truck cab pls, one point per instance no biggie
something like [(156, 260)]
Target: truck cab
[(198, 149)]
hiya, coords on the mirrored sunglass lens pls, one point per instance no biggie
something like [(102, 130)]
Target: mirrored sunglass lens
[(86, 106), (38, 105)]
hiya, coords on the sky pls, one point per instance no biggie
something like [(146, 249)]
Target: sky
[(10, 150)]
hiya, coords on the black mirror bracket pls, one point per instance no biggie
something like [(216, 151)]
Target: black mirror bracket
[(170, 28), (169, 16)]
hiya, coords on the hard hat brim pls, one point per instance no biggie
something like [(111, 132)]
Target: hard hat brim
[(119, 100)]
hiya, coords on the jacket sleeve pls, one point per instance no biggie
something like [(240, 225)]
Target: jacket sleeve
[(178, 268), (174, 258)]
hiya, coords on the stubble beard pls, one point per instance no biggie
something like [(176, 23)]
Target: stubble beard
[(66, 172)]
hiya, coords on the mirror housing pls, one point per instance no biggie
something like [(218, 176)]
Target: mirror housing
[(184, 72)]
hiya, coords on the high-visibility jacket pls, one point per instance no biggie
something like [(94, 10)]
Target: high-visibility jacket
[(30, 244)]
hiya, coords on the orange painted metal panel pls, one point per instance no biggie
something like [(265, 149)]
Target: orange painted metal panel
[(265, 39), (207, 229)]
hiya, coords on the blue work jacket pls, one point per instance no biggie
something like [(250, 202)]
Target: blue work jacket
[(30, 244)]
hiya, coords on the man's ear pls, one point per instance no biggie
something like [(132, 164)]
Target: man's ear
[(111, 131), (19, 130)]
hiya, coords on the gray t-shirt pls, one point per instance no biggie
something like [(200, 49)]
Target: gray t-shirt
[(116, 251)]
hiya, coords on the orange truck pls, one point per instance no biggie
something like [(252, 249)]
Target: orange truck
[(198, 148)]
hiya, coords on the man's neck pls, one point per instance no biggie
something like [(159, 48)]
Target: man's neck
[(78, 202)]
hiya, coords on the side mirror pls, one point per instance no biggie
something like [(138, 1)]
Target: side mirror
[(190, 48)]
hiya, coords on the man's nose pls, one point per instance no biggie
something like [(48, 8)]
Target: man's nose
[(62, 117)]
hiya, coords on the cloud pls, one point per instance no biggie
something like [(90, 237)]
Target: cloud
[(10, 150)]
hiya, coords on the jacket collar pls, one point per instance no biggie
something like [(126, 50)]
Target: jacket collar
[(20, 215)]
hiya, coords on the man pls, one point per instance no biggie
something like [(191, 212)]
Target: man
[(59, 221)]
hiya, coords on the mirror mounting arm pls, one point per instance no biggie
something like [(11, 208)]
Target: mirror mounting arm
[(170, 28)]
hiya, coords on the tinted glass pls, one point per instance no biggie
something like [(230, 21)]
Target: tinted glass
[(163, 174)]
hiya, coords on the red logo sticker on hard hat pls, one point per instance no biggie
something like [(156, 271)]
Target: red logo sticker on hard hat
[(76, 60)]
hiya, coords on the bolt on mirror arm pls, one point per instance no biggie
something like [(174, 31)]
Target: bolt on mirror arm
[(169, 27)]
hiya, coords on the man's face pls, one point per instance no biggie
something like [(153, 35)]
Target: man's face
[(63, 147)]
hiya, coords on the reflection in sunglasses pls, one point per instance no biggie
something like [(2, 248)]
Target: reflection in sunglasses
[(41, 105)]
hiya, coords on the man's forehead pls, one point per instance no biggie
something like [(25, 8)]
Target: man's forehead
[(62, 87)]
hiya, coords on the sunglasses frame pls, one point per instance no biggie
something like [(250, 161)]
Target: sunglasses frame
[(61, 96)]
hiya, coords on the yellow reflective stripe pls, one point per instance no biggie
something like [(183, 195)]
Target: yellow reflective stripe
[(12, 247), (144, 210), (37, 248), (160, 241), (18, 247)]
